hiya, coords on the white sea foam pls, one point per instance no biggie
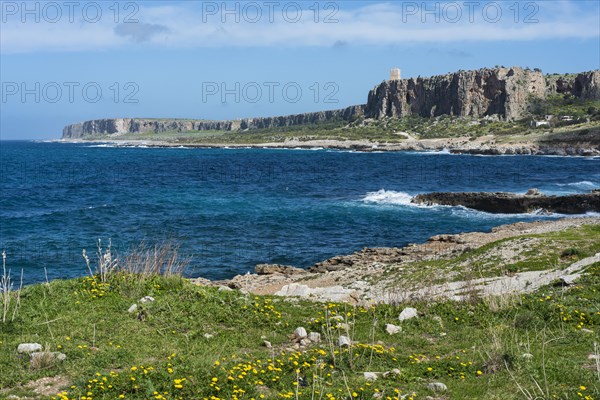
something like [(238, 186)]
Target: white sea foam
[(580, 184), (383, 196)]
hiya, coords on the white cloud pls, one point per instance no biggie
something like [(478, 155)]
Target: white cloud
[(191, 25)]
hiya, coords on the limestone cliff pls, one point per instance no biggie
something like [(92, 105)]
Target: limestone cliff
[(500, 91), (120, 126)]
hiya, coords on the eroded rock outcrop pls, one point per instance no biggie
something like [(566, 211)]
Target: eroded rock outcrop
[(511, 203), (499, 91)]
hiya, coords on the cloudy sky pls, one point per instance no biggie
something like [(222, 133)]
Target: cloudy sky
[(64, 62)]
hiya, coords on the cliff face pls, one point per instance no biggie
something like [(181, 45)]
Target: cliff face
[(120, 126), (502, 91)]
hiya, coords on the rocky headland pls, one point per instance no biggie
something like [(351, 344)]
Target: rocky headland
[(501, 93)]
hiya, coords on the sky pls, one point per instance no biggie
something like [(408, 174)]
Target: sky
[(63, 62)]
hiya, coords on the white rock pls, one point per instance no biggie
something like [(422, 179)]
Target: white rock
[(54, 354), (208, 335), (29, 347), (267, 344), (408, 313), (330, 293), (300, 333), (133, 308), (225, 289), (527, 356), (314, 337), (305, 342), (344, 341), (370, 376), (146, 299), (392, 329), (437, 387)]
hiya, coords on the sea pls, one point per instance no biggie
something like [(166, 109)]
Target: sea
[(230, 209)]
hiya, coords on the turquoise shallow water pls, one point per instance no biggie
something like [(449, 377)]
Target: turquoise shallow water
[(231, 209)]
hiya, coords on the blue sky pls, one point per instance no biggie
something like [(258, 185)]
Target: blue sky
[(67, 63)]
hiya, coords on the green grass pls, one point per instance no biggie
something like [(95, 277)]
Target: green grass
[(535, 252), (476, 348)]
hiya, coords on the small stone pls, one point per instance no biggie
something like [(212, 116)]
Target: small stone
[(567, 280), (395, 371), (408, 313), (314, 337), (29, 347), (392, 329), (208, 335), (132, 309), (343, 326), (300, 333), (267, 344), (344, 341), (54, 354), (527, 356), (437, 387), (305, 342), (370, 376), (225, 289), (146, 299)]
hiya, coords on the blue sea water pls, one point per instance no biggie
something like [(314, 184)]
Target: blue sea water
[(230, 209)]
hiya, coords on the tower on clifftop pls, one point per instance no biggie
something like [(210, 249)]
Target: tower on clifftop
[(395, 74)]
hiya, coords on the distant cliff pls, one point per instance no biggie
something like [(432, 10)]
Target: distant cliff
[(119, 126), (500, 91), (504, 92)]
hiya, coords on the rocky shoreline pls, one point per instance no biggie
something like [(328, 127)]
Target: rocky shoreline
[(484, 145), (382, 274)]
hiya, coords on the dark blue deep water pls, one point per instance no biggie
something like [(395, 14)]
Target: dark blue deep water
[(232, 209)]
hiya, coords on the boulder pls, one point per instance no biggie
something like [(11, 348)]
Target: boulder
[(408, 313), (270, 269), (29, 348)]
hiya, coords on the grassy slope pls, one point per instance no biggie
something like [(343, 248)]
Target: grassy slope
[(467, 346)]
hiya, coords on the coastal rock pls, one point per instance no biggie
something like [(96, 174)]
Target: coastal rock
[(51, 355), (392, 329), (314, 337), (328, 293), (408, 313), (300, 333), (344, 341), (437, 387), (370, 376), (269, 269), (511, 203), (29, 348)]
